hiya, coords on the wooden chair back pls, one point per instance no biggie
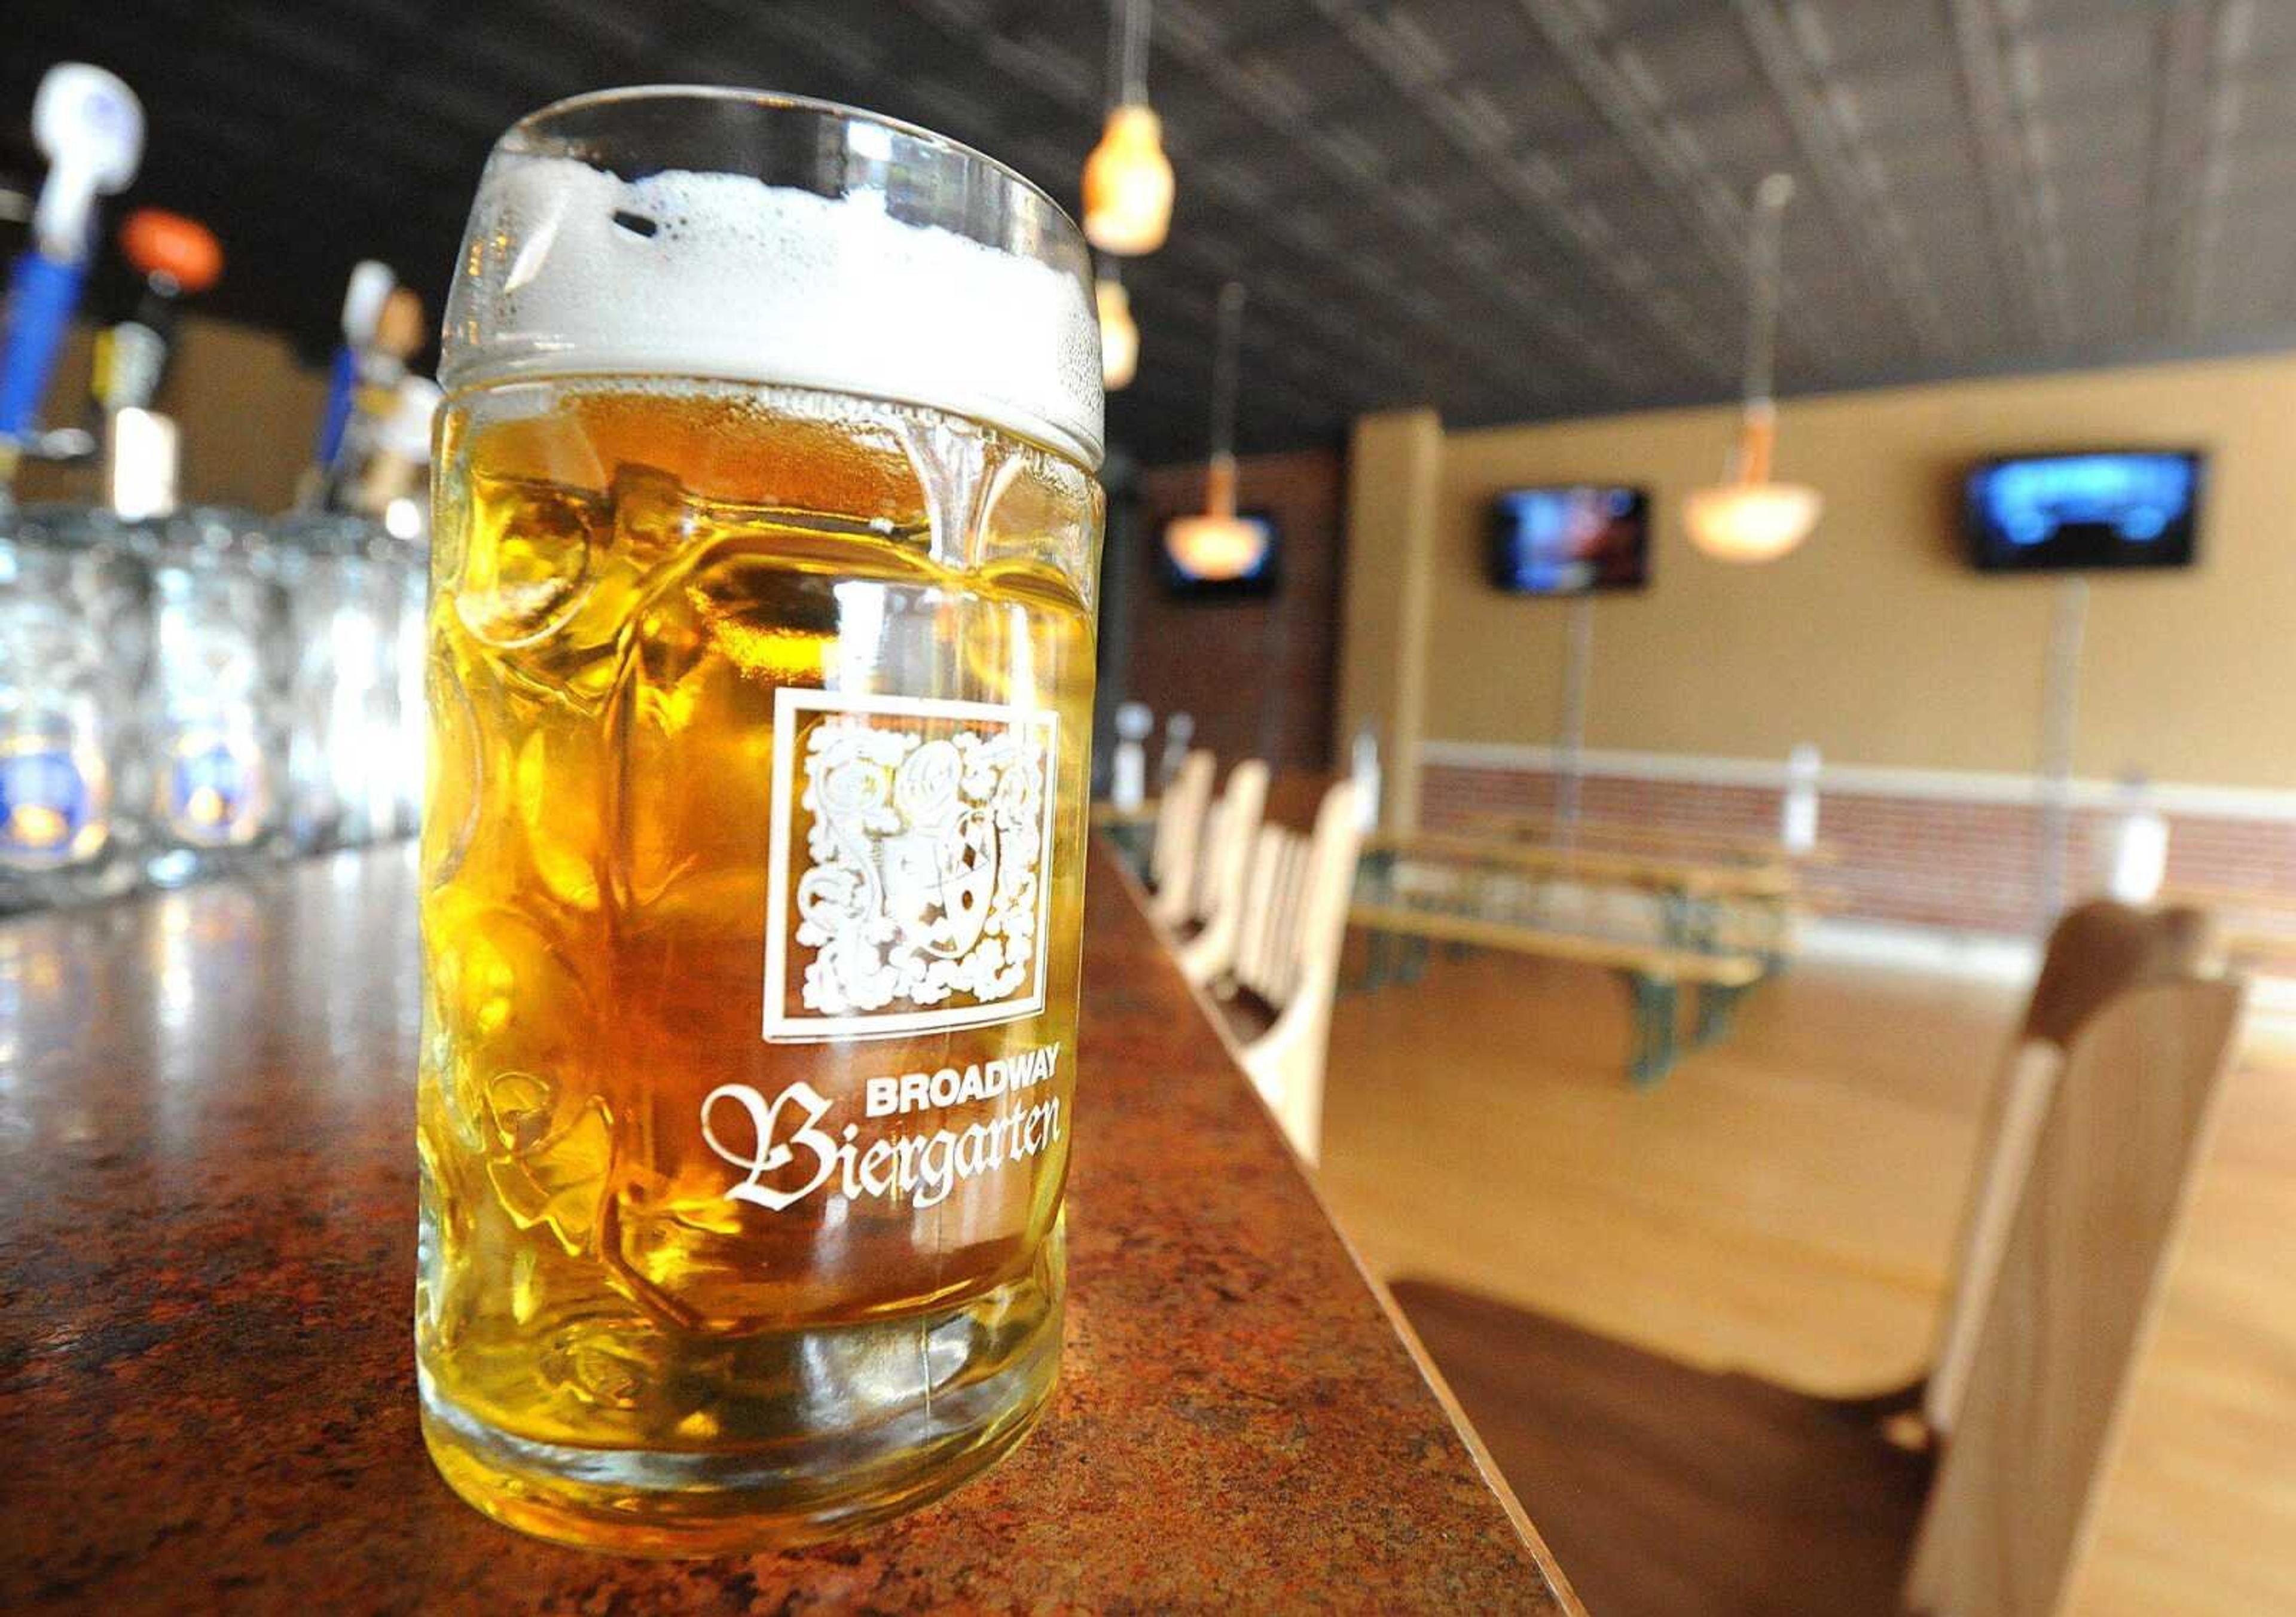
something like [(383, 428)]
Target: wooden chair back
[(2099, 949), (1216, 904), (1179, 832), (1295, 796), (1287, 957), (2086, 1250), (2096, 952)]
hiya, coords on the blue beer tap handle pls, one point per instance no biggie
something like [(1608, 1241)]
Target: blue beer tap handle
[(343, 381), (42, 294)]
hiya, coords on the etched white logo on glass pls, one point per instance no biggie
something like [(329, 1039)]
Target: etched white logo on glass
[(917, 898)]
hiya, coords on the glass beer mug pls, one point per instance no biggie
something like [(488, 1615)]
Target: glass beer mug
[(215, 700), (71, 646), (760, 670), (344, 751)]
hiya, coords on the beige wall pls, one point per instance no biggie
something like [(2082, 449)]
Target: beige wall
[(1395, 461), (1876, 641), (249, 415)]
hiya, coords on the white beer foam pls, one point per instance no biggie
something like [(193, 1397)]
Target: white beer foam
[(756, 282)]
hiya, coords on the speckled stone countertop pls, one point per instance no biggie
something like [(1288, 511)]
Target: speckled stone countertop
[(207, 1258)]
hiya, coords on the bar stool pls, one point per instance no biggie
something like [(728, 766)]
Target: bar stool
[(1277, 992), (1206, 942), (1179, 828)]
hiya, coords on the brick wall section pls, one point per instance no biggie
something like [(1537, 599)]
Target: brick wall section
[(1925, 860), (2233, 853)]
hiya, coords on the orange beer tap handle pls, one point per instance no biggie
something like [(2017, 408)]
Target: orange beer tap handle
[(156, 242), (398, 332)]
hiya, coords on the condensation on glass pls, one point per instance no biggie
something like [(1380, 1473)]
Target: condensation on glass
[(760, 667)]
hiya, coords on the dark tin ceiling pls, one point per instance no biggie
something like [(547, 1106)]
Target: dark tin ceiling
[(1510, 208)]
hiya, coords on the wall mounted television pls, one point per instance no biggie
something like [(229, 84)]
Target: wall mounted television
[(2101, 509), (1570, 538), (1259, 579)]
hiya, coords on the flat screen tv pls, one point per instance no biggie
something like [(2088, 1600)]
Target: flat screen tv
[(1568, 539), (1260, 574), (2105, 508)]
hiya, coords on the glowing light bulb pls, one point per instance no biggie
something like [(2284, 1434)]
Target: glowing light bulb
[(1752, 522), (1127, 184), (1213, 548), (1750, 518), (1219, 545)]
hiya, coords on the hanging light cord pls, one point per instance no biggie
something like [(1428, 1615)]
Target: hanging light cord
[(1763, 271), (1127, 51), (1224, 367)]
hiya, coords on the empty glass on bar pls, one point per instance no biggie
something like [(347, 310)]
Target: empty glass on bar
[(760, 669), (345, 753), (72, 643), (215, 701)]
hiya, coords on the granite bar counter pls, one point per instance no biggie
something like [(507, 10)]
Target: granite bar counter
[(207, 1258)]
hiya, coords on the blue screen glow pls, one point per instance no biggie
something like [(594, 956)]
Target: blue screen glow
[(1561, 540), (2101, 510)]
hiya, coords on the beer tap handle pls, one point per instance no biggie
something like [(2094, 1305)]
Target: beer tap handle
[(352, 479), (176, 256), (90, 127), (398, 334), (372, 283)]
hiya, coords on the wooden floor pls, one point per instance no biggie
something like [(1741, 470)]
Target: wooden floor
[(1785, 1203)]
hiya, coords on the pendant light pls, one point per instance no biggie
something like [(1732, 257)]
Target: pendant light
[(1220, 545), (1750, 518), (1128, 180), (1119, 338)]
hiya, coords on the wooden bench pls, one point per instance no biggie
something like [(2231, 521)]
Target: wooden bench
[(1703, 906), (1653, 971), (1692, 841), (1601, 867)]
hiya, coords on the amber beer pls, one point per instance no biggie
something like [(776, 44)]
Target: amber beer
[(761, 666)]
